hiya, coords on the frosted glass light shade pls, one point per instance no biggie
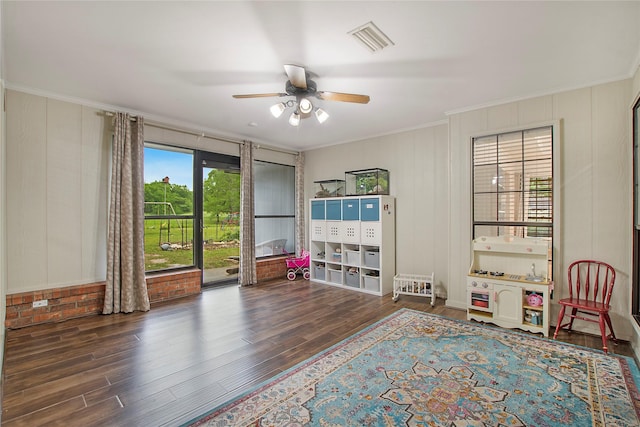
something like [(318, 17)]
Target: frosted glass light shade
[(277, 109), (321, 115), (294, 120)]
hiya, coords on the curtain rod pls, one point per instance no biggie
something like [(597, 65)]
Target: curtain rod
[(203, 135), (112, 114)]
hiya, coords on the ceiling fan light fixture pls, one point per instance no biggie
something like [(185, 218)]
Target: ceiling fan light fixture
[(321, 115), (305, 106), (277, 109), (294, 119)]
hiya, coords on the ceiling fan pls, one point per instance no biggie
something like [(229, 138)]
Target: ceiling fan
[(302, 88)]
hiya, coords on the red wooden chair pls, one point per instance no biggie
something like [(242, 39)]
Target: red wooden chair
[(590, 287)]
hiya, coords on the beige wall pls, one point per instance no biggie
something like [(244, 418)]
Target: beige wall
[(3, 201), (635, 95), (3, 223), (594, 183), (57, 182), (430, 177), (419, 175)]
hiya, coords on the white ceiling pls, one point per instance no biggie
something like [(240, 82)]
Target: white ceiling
[(179, 62)]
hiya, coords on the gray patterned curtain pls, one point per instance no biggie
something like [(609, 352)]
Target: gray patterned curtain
[(300, 203), (247, 275), (126, 289)]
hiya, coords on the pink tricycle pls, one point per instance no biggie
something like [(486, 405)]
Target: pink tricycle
[(298, 265)]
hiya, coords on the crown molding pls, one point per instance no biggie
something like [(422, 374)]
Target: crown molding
[(503, 101)]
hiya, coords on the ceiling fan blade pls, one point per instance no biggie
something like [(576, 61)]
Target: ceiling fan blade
[(297, 75), (344, 97), (259, 95)]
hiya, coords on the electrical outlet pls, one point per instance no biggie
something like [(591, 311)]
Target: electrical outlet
[(41, 303)]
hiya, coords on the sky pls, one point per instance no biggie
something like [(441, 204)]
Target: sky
[(160, 163)]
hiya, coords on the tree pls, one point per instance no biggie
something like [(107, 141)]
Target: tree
[(221, 194), (180, 197)]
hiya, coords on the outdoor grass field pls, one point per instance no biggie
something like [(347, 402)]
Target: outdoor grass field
[(221, 244)]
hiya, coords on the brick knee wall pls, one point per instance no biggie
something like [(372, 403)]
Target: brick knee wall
[(87, 300), (272, 268), (166, 286), (62, 303)]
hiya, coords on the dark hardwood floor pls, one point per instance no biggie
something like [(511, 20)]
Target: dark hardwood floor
[(184, 357)]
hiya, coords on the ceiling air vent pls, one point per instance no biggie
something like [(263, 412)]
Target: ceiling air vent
[(371, 37)]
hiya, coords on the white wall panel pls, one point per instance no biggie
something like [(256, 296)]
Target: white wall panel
[(635, 91), (26, 192), (635, 95), (503, 116), (187, 140), (612, 188), (64, 192), (3, 212), (96, 158), (57, 188), (462, 127), (417, 164), (206, 143), (576, 169), (535, 110)]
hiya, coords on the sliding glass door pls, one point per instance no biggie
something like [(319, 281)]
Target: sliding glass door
[(218, 210)]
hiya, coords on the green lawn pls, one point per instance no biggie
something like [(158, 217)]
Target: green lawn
[(221, 244)]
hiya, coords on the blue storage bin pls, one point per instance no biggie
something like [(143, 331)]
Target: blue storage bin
[(370, 209), (334, 210), (317, 209), (350, 210)]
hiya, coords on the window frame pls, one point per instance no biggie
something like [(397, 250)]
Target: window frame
[(554, 127), (277, 216), (635, 226), (218, 160), (192, 217)]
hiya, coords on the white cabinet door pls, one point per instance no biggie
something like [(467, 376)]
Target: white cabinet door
[(508, 304), (318, 230), (350, 232), (371, 233), (334, 231)]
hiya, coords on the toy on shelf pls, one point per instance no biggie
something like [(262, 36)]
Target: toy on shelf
[(534, 300)]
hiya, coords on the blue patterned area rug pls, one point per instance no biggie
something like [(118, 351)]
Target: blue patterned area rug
[(418, 369)]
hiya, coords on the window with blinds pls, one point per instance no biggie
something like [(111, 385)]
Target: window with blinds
[(513, 184)]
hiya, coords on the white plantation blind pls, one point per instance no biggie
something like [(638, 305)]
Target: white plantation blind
[(513, 184)]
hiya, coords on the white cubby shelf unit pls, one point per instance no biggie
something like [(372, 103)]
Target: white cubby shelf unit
[(352, 242)]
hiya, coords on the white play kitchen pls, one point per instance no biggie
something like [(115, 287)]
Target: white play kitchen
[(509, 284)]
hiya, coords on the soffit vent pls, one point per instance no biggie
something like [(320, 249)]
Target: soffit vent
[(371, 37)]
